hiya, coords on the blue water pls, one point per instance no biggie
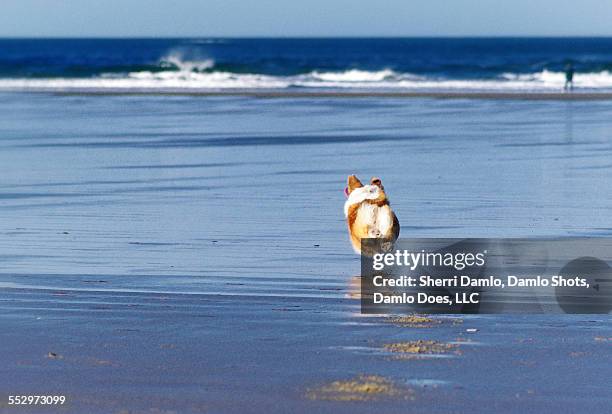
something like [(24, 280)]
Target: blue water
[(400, 63)]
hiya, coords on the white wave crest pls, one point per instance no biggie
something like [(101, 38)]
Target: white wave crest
[(178, 61), (354, 75), (548, 79), (201, 78), (151, 81)]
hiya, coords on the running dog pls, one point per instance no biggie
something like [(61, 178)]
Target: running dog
[(369, 214)]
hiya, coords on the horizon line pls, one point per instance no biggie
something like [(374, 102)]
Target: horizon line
[(298, 37)]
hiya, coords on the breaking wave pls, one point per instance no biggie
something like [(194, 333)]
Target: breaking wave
[(177, 62), (176, 73), (354, 75)]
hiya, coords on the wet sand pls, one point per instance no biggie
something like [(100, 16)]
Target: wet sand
[(209, 353), (179, 254)]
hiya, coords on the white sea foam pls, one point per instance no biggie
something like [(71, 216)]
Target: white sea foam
[(184, 65), (151, 81), (194, 75), (548, 79), (354, 75)]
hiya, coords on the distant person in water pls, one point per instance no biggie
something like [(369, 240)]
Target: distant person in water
[(569, 77)]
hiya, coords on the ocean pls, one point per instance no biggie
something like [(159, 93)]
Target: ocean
[(189, 253), (426, 64)]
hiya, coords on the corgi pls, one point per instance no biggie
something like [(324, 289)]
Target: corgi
[(368, 213)]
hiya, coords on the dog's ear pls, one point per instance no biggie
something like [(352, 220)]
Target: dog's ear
[(377, 181), (353, 183)]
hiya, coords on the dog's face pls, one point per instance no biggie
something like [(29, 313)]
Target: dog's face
[(354, 182)]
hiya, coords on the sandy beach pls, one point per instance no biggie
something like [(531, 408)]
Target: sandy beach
[(135, 352), (186, 254)]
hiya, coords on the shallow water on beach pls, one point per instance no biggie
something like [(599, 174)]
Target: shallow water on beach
[(244, 196), (111, 205)]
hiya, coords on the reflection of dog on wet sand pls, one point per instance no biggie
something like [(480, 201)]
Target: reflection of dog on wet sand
[(368, 213)]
